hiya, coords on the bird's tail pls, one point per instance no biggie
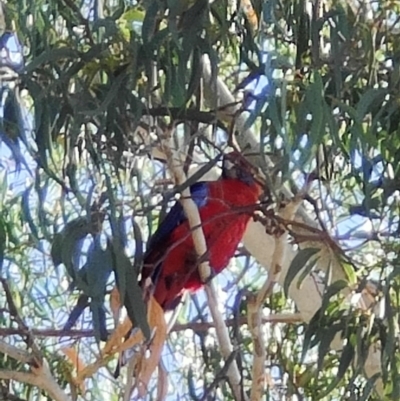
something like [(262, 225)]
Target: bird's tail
[(83, 302), (98, 315), (99, 320)]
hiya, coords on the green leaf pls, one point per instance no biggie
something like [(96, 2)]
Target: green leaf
[(133, 15), (138, 259), (3, 241), (109, 25), (332, 290), (298, 263), (110, 97), (196, 74), (129, 289), (3, 186), (325, 340), (372, 96), (273, 114), (149, 22), (56, 249), (98, 268), (63, 249), (345, 361), (312, 328), (52, 56), (395, 394), (350, 273), (26, 211), (316, 100), (308, 268), (369, 387)]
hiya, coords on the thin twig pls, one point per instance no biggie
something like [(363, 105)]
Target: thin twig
[(221, 375), (255, 305), (287, 318), (30, 341)]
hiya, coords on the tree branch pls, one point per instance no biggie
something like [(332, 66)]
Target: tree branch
[(192, 213), (41, 378), (22, 377), (255, 304), (16, 353)]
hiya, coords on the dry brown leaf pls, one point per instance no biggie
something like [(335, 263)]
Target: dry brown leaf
[(157, 322), (145, 366), (134, 339), (111, 347), (77, 363), (162, 383), (92, 368), (73, 357), (250, 13), (115, 304), (115, 340)]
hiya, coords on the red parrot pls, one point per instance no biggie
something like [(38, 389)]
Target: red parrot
[(225, 207)]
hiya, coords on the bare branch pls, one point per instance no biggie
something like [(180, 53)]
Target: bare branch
[(255, 305), (16, 353), (259, 354), (40, 374), (288, 318), (42, 378), (199, 241), (22, 377)]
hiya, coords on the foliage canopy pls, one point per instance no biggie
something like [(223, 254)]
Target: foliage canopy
[(83, 182)]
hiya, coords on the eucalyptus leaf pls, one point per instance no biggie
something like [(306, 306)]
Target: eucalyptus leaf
[(298, 263)]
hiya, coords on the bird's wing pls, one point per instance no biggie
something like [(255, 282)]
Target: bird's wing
[(176, 216), (159, 241)]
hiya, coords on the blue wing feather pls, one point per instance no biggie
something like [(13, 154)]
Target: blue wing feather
[(176, 216)]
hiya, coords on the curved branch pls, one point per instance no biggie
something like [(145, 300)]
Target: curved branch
[(192, 213)]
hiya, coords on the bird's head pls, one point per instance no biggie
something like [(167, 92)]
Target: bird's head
[(235, 166)]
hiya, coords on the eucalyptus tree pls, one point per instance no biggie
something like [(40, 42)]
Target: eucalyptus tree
[(96, 104)]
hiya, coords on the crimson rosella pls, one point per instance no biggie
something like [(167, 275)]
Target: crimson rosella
[(225, 207)]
